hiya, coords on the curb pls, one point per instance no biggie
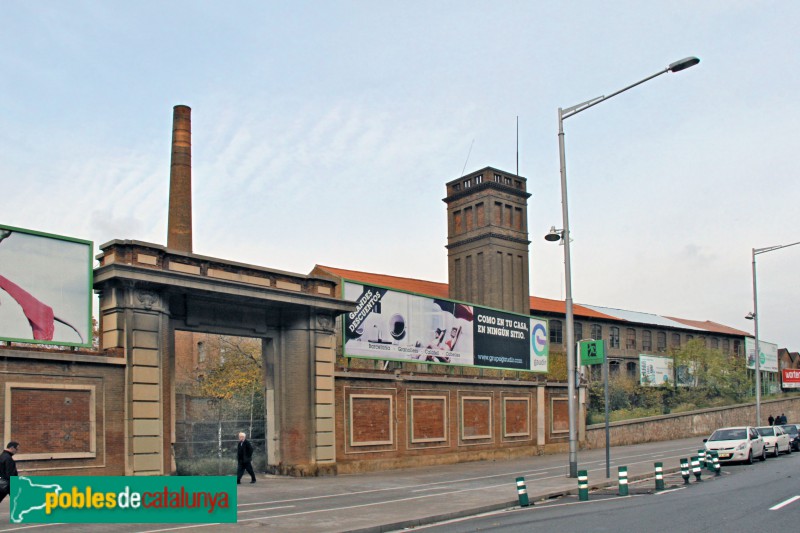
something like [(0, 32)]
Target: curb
[(426, 520)]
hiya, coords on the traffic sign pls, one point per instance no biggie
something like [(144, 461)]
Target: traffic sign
[(593, 352)]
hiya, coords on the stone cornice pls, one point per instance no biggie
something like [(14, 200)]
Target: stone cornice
[(490, 235), (484, 186)]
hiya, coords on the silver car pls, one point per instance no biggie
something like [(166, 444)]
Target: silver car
[(737, 444)]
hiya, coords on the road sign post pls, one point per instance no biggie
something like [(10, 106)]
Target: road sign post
[(593, 352)]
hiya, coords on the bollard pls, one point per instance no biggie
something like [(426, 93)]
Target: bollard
[(623, 480), (696, 469), (659, 476), (701, 456), (583, 486), (522, 492), (685, 471), (715, 462)]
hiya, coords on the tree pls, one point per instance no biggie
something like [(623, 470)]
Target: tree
[(713, 372)]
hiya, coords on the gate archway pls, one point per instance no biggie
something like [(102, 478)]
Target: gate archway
[(147, 292)]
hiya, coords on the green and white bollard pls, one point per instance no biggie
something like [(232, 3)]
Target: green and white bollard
[(522, 492), (583, 486), (623, 480), (701, 456), (715, 462), (659, 476), (685, 471), (696, 469)]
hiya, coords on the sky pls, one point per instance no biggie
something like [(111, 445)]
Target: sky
[(324, 132)]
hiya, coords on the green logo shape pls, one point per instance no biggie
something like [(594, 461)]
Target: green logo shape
[(120, 499)]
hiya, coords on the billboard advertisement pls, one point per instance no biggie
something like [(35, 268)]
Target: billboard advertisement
[(655, 371), (393, 325), (790, 378), (45, 288), (769, 355)]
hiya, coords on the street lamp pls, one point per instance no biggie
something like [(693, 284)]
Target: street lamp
[(564, 234), (754, 317)]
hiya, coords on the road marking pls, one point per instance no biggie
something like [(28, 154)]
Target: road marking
[(267, 509), (784, 504), (666, 491)]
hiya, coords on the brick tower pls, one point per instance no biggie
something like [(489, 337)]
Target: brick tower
[(487, 240)]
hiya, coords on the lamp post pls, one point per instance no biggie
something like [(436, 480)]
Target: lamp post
[(564, 234), (754, 317)]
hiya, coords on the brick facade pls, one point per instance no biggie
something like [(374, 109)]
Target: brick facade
[(66, 410)]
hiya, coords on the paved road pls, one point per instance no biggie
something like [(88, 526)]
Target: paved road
[(382, 501), (746, 498)]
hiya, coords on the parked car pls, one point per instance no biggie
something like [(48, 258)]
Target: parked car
[(793, 430), (737, 444), (775, 439)]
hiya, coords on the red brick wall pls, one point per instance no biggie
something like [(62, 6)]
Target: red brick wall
[(430, 422), (41, 418), (62, 420)]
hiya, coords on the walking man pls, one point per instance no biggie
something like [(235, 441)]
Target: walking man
[(8, 468), (244, 456)]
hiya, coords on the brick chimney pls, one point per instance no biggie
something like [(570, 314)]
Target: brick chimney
[(179, 225)]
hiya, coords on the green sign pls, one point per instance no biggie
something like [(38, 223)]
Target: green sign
[(119, 499), (592, 352)]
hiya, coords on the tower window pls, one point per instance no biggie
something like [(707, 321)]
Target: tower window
[(507, 181), (478, 179), (498, 178), (468, 183)]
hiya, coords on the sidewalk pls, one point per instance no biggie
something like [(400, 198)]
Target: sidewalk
[(395, 500), (401, 499)]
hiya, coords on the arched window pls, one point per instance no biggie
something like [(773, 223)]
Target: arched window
[(647, 340), (556, 332), (613, 337)]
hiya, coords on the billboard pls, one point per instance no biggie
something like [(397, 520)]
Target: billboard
[(790, 378), (769, 355), (655, 370), (45, 288), (393, 325)]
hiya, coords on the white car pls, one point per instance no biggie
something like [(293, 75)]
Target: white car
[(775, 439), (737, 444)]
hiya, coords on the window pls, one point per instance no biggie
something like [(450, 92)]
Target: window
[(661, 341), (613, 368), (498, 178), (737, 345), (631, 369), (507, 181), (201, 352), (630, 339), (714, 343), (613, 337), (468, 183), (456, 186), (597, 332), (556, 333), (578, 331), (647, 340), (517, 184), (689, 338), (478, 179), (726, 345), (676, 340)]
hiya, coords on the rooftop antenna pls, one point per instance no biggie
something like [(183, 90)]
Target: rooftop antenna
[(517, 145), (468, 153)]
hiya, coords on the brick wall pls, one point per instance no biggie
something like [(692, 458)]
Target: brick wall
[(65, 409), (385, 423)]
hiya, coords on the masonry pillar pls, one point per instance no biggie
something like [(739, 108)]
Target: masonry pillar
[(134, 321)]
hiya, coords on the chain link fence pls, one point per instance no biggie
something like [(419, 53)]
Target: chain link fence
[(208, 448)]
